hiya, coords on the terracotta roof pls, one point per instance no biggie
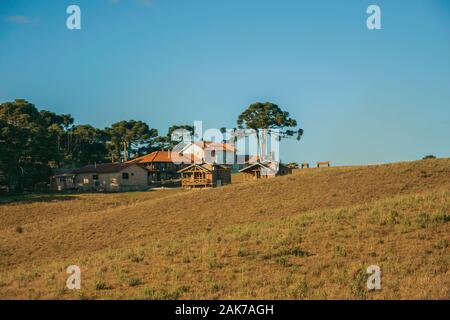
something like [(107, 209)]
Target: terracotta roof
[(165, 156), (103, 168)]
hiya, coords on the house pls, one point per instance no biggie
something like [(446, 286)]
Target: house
[(265, 169), (111, 177), (205, 175), (210, 152), (162, 165), (213, 152)]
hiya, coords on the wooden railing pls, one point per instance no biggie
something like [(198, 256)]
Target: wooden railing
[(195, 182)]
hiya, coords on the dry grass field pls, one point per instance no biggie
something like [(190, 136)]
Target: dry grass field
[(310, 235)]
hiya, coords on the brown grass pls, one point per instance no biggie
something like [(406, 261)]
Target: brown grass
[(306, 236)]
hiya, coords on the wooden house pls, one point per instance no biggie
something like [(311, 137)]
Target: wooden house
[(205, 175), (266, 169)]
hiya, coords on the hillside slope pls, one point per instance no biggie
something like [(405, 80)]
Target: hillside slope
[(309, 235)]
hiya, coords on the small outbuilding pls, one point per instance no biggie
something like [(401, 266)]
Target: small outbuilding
[(267, 169), (205, 175), (62, 181)]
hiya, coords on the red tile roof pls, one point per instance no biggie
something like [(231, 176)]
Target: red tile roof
[(165, 156), (102, 168)]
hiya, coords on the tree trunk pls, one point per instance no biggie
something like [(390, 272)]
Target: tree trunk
[(125, 151), (263, 144), (258, 155)]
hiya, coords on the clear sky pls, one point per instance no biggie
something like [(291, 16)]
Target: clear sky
[(361, 96)]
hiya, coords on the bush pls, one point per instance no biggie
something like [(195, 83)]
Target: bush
[(430, 156), (134, 282), (101, 285), (19, 229), (164, 294), (293, 165), (136, 257)]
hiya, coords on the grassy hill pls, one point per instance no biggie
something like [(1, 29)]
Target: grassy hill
[(306, 236)]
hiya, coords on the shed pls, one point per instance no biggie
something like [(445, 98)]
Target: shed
[(266, 169), (62, 181), (205, 175)]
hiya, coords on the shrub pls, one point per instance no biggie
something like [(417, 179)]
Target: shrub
[(215, 287), (101, 285), (358, 284), (340, 251), (242, 252), (152, 294), (136, 257), (283, 261), (430, 156), (296, 251), (293, 165), (133, 282)]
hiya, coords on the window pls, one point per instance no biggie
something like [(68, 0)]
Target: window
[(125, 175), (95, 177)]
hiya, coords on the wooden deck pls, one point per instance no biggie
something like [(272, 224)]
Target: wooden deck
[(197, 183)]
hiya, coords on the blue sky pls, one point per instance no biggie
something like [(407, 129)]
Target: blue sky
[(361, 96)]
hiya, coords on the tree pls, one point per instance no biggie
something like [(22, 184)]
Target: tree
[(59, 127), (166, 142), (28, 146), (430, 156), (129, 138), (11, 140), (86, 145), (293, 165), (268, 118)]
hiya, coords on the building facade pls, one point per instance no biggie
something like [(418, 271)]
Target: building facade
[(111, 177), (205, 175), (266, 169)]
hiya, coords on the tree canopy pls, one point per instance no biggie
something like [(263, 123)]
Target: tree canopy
[(129, 138), (33, 142), (166, 142), (264, 118), (27, 144)]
